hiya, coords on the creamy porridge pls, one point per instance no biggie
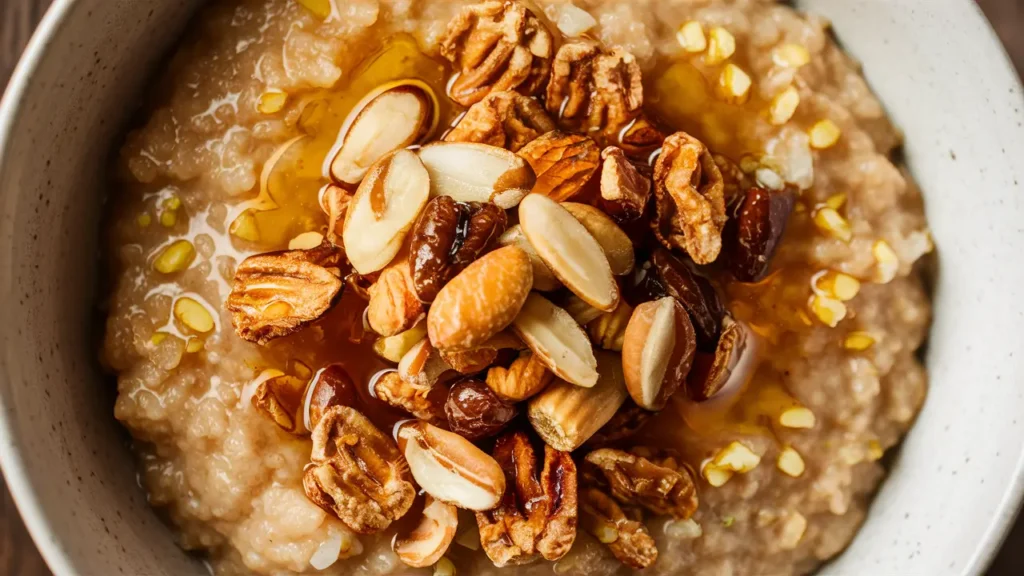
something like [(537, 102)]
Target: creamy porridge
[(425, 286)]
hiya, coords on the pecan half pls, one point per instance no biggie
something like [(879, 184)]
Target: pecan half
[(625, 192), (754, 231), (537, 515), (277, 293), (636, 480), (278, 396), (522, 380), (593, 90), (497, 45), (563, 162), (475, 412), (357, 472), (628, 539), (626, 423), (694, 292), (448, 237), (422, 403), (394, 307), (711, 372), (507, 120), (690, 199)]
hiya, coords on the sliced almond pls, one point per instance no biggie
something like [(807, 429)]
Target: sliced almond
[(481, 301), (565, 245), (427, 542), (657, 352), (557, 340), (566, 416), (450, 468), (470, 172), (388, 119), (616, 244), (383, 210), (543, 278)]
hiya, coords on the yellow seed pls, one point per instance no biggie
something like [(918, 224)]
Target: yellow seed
[(157, 338), (791, 462), (168, 218), (193, 314), (840, 286), (244, 227), (144, 220), (829, 221), (175, 257), (858, 341), (737, 458), (721, 46), (824, 134), (875, 451), (271, 102), (194, 345), (836, 201), (716, 476), (887, 260), (306, 241), (792, 531), (791, 56), (829, 310), (691, 37), (320, 8), (797, 417), (784, 105), (734, 84), (172, 203), (444, 567)]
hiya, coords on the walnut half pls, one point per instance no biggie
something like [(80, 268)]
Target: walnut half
[(357, 473), (627, 538), (636, 480), (537, 515), (593, 90), (507, 120)]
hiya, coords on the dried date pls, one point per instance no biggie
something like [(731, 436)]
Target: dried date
[(695, 293), (475, 412), (753, 233)]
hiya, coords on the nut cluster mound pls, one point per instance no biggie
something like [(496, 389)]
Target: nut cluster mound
[(535, 279)]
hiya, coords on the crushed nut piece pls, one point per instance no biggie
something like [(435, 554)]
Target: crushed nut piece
[(563, 162), (792, 531), (507, 120), (393, 348), (636, 480), (829, 310), (790, 462), (522, 380), (784, 105), (306, 241), (625, 192), (497, 45), (537, 513), (422, 366), (175, 257), (824, 134), (357, 473), (594, 91), (430, 538), (278, 396), (721, 46), (797, 417), (829, 221), (691, 37), (690, 194), (836, 201), (734, 458), (628, 540), (734, 84), (687, 529), (791, 56), (334, 201), (887, 260), (421, 403), (838, 285)]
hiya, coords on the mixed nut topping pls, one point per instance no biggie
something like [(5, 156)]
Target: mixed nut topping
[(539, 279)]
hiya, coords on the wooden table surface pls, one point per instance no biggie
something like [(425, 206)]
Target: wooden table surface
[(18, 556)]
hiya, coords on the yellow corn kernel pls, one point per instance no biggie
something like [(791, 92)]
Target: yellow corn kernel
[(716, 476), (792, 532), (721, 46), (734, 84), (829, 221), (172, 203), (798, 417), (444, 567), (193, 314), (168, 218), (157, 338), (836, 201), (271, 102), (691, 37), (829, 310), (175, 257), (736, 457), (875, 451), (790, 462), (791, 56), (194, 345), (840, 286), (824, 134), (784, 105), (144, 220), (244, 227), (887, 260), (320, 8), (858, 341)]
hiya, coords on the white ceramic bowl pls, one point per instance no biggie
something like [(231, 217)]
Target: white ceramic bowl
[(954, 488)]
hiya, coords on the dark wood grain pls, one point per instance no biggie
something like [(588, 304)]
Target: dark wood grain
[(18, 556)]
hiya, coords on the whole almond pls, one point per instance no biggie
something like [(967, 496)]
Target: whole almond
[(450, 468), (616, 244), (383, 210), (544, 279), (557, 340), (470, 172), (569, 250), (566, 416), (481, 301), (657, 352), (390, 118)]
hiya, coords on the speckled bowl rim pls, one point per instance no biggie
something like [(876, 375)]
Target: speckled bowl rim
[(25, 497)]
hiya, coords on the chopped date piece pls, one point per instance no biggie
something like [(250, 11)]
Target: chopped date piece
[(754, 231)]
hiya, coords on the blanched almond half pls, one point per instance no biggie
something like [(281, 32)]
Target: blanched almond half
[(618, 248), (657, 352), (392, 117), (422, 366), (383, 210), (569, 250), (430, 538), (557, 340), (450, 468), (544, 279), (481, 301), (471, 172)]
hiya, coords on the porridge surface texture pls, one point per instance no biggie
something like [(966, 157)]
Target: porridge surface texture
[(220, 142)]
